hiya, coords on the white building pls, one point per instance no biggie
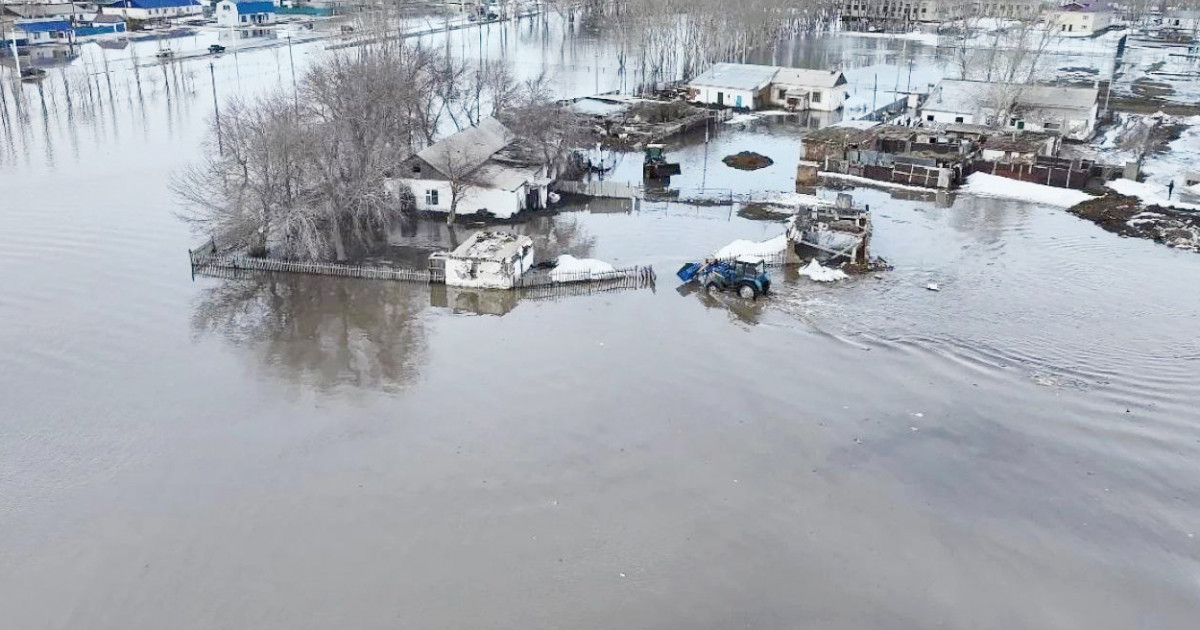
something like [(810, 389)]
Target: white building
[(1076, 19), (474, 162), (1069, 112), (885, 12), (487, 260), (802, 89), (153, 9), (739, 85), (749, 86), (232, 14)]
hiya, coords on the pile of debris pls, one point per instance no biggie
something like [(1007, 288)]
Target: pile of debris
[(645, 122), (1127, 216)]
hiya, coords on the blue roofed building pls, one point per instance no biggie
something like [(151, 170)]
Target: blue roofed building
[(234, 14), (153, 9), (43, 31)]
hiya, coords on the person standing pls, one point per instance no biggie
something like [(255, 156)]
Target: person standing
[(1170, 189)]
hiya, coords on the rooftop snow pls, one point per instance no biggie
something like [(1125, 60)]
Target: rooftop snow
[(492, 246), (808, 77)]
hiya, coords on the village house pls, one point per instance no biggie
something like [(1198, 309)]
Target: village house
[(754, 87), (1077, 19), (254, 13), (1019, 148), (1069, 112), (43, 31), (800, 89), (486, 260), (154, 9), (486, 167), (882, 13), (739, 85), (1010, 9)]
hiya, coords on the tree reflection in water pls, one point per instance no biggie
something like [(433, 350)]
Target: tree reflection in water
[(323, 331)]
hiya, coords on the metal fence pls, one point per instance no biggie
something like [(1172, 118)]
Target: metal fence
[(203, 263), (628, 277)]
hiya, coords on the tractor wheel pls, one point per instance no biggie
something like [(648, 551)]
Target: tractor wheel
[(712, 288), (747, 292)]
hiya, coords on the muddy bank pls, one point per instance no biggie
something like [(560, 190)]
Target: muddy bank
[(1127, 216)]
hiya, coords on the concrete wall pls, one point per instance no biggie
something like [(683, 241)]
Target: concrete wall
[(941, 116), (488, 274), (501, 203), (831, 99), (708, 96)]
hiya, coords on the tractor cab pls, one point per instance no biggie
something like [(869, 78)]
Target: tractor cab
[(655, 165)]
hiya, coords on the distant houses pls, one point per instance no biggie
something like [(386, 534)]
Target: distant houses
[(154, 9), (754, 87), (43, 31), (256, 13), (1067, 111)]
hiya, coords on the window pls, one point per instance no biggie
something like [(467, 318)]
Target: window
[(816, 97), (958, 119), (243, 19), (416, 169), (929, 117), (782, 94), (1052, 126), (431, 197)]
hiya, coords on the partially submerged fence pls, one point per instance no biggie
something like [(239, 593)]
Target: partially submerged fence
[(1048, 171), (628, 277), (369, 272)]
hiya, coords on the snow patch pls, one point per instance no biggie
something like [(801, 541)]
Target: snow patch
[(986, 185), (764, 249), (571, 269), (1150, 194), (816, 272)]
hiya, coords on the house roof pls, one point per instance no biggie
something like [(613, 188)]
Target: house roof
[(103, 18), (154, 4), (495, 174), (37, 10), (468, 149), (951, 95), (736, 76), (1019, 142), (255, 7), (44, 26), (492, 246), (809, 77)]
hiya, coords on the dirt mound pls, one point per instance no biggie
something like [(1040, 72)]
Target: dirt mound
[(747, 161), (1129, 217)]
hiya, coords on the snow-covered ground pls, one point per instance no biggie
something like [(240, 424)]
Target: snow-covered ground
[(1151, 193), (570, 268), (816, 272), (986, 185)]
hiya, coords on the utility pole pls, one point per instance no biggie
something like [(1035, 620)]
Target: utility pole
[(216, 110), (292, 63)]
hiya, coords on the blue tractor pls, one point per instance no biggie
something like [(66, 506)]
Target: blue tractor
[(747, 275)]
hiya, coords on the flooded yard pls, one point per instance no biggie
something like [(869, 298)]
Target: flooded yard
[(1017, 450)]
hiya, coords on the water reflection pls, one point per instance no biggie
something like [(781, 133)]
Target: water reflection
[(324, 332)]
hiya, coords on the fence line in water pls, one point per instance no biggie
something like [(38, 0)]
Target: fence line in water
[(206, 261)]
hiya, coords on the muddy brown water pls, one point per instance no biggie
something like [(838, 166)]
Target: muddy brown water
[(1018, 450)]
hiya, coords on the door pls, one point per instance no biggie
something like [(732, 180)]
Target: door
[(739, 100), (721, 98)]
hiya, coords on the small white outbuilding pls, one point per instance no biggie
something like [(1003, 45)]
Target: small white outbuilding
[(488, 260)]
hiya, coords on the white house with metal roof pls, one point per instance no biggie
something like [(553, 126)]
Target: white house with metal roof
[(804, 89), (750, 86), (1068, 111), (476, 163), (487, 260)]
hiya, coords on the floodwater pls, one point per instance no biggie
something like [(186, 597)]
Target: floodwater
[(1017, 450)]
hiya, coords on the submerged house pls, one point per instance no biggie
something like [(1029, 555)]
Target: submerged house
[(485, 166), (486, 260), (1067, 111), (750, 86), (232, 14)]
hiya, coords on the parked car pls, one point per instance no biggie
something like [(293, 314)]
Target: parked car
[(216, 49)]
